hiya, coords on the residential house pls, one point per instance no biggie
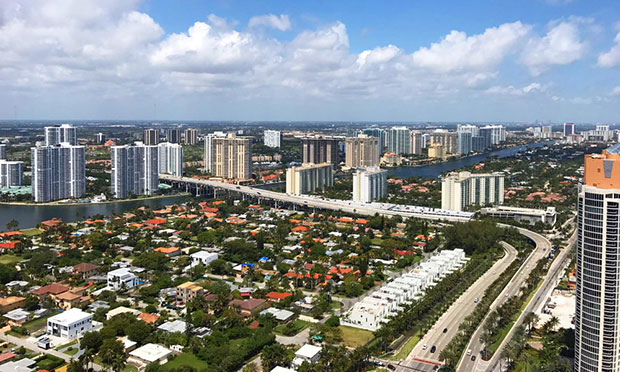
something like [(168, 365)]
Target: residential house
[(249, 307), (70, 324), (10, 303), (85, 270), (122, 278), (188, 291)]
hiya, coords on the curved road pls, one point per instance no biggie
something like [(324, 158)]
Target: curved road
[(543, 246), (453, 317)]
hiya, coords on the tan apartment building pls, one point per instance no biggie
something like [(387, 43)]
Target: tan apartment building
[(233, 157)]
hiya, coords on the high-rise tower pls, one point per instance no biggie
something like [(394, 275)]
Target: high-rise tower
[(597, 309)]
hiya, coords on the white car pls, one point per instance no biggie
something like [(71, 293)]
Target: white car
[(424, 347), (469, 352)]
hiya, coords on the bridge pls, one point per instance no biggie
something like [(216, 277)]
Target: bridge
[(202, 186)]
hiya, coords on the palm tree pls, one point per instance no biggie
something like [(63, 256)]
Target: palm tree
[(530, 320), (552, 323)]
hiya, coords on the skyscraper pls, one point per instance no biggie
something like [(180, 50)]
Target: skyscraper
[(190, 136), (398, 140), (462, 189), (319, 149), (569, 129), (170, 157), (63, 133), (448, 140), (380, 133), (134, 170), (474, 130), (11, 173), (493, 135), (272, 138), (151, 137), (2, 151), (58, 172), (100, 138), (362, 152), (465, 143), (597, 308), (173, 135), (416, 142), (369, 184), (209, 157), (308, 178), (233, 157)]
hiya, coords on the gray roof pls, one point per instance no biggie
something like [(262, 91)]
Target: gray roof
[(615, 149), (174, 326)]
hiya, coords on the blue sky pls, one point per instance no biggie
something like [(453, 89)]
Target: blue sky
[(462, 61)]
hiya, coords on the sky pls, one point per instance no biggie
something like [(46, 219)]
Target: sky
[(457, 61)]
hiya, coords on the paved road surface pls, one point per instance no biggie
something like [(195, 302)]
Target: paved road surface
[(551, 280), (453, 317), (543, 246)]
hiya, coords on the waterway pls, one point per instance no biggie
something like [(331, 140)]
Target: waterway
[(31, 215), (435, 170)]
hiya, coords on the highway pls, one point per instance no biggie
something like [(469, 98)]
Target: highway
[(453, 317), (313, 201), (543, 247), (550, 281)]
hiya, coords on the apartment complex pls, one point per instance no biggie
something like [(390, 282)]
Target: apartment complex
[(448, 140), (190, 136), (597, 310), (232, 157), (272, 138), (398, 140), (464, 143), (151, 137), (135, 170), (416, 143), (362, 152), (319, 149), (369, 185), (492, 135), (379, 133), (462, 189), (11, 173), (170, 157), (3, 151), (64, 133), (308, 178), (173, 135), (569, 129), (209, 157), (58, 172)]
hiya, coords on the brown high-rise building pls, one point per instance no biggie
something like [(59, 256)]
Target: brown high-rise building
[(151, 137), (597, 307), (317, 150), (190, 136), (232, 157), (362, 152)]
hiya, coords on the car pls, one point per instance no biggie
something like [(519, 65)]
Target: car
[(469, 352), (445, 330), (476, 300), (391, 367), (424, 347), (433, 349), (473, 357)]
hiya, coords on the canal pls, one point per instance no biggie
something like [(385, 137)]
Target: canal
[(30, 215), (435, 170)]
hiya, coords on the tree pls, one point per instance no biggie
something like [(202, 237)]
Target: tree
[(7, 273), (530, 319), (12, 225), (112, 354), (75, 366), (273, 355), (138, 331), (91, 342), (32, 302)]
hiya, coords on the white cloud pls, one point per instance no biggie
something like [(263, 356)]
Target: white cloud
[(615, 91), (611, 58), (512, 91), (282, 23), (457, 51), (560, 46)]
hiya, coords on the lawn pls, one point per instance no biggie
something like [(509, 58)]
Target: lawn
[(9, 259), (66, 345), (72, 351), (32, 232), (37, 324), (298, 326), (407, 347), (354, 337), (185, 359)]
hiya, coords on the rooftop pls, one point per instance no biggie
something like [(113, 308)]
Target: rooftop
[(70, 316), (151, 352)]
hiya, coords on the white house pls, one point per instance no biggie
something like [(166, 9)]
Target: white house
[(147, 354), (122, 278), (307, 353), (70, 324), (203, 257)]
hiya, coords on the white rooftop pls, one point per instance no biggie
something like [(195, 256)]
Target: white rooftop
[(151, 352), (72, 315), (308, 351)]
